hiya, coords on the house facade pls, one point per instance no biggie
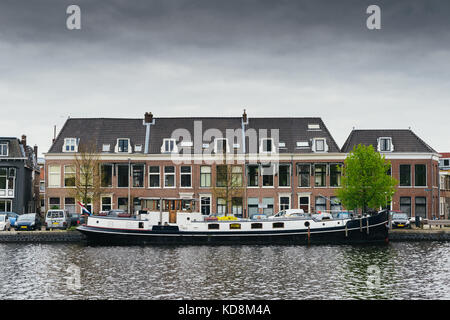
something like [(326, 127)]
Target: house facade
[(276, 163), (444, 192), (19, 176)]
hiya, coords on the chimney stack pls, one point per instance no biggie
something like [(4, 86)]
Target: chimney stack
[(148, 118), (244, 117), (36, 151), (24, 141)]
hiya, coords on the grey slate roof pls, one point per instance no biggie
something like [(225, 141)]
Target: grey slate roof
[(404, 140), (107, 131), (14, 147), (101, 131)]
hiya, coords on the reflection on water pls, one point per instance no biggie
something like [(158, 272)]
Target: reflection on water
[(402, 271)]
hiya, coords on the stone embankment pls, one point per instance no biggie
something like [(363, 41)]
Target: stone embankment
[(41, 236), (418, 234)]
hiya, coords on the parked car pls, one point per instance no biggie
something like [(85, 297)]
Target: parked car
[(12, 216), (57, 219), (288, 213), (76, 219), (4, 223), (400, 220), (28, 221)]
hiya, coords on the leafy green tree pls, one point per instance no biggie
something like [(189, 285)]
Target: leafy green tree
[(365, 180)]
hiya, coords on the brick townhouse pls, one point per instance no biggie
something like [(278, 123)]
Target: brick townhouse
[(444, 192), (280, 163)]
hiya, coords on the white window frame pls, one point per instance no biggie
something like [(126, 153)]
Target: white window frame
[(227, 145), (164, 149), (271, 167), (206, 173), (279, 201), (116, 149), (101, 201), (210, 201), (106, 147), (174, 173), (261, 146), (4, 146), (314, 145), (72, 143), (390, 144), (186, 174), (75, 173), (50, 174), (154, 174)]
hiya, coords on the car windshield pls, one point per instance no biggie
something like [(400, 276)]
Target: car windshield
[(26, 217), (399, 216), (55, 214)]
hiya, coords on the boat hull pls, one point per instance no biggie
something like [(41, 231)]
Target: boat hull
[(365, 230)]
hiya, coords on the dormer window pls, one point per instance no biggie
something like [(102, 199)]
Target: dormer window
[(267, 145), (4, 149), (106, 147), (70, 145), (123, 145), (302, 144), (319, 145), (169, 145), (314, 126), (221, 145), (138, 148), (385, 144)]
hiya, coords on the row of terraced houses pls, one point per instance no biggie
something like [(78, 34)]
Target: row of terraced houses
[(281, 162)]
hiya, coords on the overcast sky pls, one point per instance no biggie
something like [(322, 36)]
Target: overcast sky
[(217, 57)]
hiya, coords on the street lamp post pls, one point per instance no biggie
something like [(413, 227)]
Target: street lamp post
[(129, 185)]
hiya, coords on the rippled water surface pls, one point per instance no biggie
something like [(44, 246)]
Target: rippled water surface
[(395, 271)]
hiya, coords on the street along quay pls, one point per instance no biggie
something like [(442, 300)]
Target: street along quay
[(71, 236)]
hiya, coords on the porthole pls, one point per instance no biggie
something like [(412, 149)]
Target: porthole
[(306, 223)]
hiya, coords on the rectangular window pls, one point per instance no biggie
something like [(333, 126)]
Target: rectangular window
[(70, 145), (122, 204), (54, 203), (106, 203), (405, 175), (420, 175), (236, 206), (320, 145), (205, 205), (236, 176), (154, 177), (205, 176), (138, 175), (252, 175), (304, 203), (320, 173), (123, 176), (284, 175), (5, 205), (221, 175), (285, 203), (3, 179), (304, 175), (69, 176), (54, 176), (385, 144), (221, 206), (321, 204), (69, 205), (168, 145), (106, 175), (267, 206), (185, 177), (169, 177), (267, 175), (335, 175), (421, 207), (266, 145), (123, 145), (4, 149), (335, 204), (405, 205), (221, 146), (252, 204), (106, 147)]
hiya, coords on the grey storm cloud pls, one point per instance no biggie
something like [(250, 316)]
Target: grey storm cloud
[(215, 57)]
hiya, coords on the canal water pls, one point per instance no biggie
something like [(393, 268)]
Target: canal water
[(407, 270)]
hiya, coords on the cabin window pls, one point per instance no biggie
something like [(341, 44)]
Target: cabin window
[(213, 226), (278, 225), (153, 176), (256, 225), (234, 226), (141, 225)]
